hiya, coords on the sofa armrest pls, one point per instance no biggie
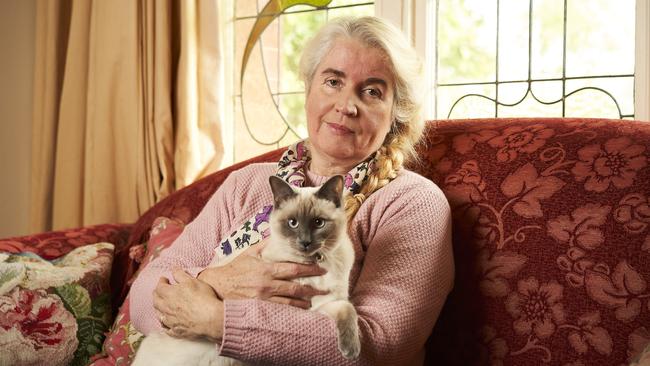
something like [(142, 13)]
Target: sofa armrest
[(54, 244)]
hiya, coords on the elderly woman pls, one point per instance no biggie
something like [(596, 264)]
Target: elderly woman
[(363, 100)]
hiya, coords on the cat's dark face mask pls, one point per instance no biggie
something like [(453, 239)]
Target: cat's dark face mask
[(308, 222)]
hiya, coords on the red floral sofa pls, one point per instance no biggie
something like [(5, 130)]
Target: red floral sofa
[(551, 239)]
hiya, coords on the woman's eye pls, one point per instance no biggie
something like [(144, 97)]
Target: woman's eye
[(375, 93), (334, 83), (293, 223), (319, 222)]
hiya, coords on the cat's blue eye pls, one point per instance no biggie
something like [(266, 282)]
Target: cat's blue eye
[(319, 222), (293, 223)]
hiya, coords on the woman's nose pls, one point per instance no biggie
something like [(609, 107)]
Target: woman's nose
[(347, 107)]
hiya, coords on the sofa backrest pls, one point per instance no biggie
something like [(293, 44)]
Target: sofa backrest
[(184, 205), (551, 238)]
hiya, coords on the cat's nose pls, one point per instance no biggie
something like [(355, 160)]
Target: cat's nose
[(304, 243)]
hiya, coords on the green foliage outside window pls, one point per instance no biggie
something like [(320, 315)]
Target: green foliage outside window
[(296, 29)]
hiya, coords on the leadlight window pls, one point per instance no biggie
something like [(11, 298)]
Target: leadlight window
[(268, 102), (553, 58), (493, 58)]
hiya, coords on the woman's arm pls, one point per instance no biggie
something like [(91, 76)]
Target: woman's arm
[(406, 276), (192, 251), (247, 276)]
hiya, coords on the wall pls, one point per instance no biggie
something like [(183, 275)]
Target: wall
[(17, 41)]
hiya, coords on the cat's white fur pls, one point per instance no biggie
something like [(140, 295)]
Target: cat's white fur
[(337, 258)]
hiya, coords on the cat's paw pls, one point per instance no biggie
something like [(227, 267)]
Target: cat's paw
[(349, 342)]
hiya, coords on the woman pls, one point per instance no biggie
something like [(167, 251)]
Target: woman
[(362, 106)]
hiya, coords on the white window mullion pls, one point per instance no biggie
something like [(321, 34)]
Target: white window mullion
[(227, 112), (417, 19), (392, 10), (642, 62), (425, 34)]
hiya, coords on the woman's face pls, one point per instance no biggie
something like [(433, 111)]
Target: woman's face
[(349, 103)]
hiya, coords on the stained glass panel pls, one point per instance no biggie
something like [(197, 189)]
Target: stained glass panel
[(519, 100), (513, 39), (467, 100), (269, 100), (600, 37), (552, 58), (547, 56), (467, 46), (610, 97)]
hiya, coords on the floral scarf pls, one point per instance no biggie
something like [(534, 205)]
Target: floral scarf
[(291, 168)]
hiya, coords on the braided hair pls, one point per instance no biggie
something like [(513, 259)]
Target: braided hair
[(407, 123)]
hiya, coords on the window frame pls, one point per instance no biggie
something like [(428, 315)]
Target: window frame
[(417, 19)]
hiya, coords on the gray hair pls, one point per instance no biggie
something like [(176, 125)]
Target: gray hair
[(404, 63), (407, 123)]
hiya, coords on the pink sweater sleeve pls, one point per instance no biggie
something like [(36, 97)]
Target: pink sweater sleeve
[(406, 276), (192, 250)]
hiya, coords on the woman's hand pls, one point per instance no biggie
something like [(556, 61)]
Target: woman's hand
[(190, 308), (250, 277)]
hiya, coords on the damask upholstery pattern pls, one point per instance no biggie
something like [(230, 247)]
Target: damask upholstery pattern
[(551, 240)]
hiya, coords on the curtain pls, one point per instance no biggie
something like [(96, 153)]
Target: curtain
[(126, 107)]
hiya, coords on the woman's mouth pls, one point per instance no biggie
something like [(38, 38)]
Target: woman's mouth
[(338, 129)]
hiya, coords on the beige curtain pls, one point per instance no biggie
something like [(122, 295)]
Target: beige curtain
[(126, 106)]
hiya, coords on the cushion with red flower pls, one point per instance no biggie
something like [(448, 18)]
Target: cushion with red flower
[(54, 312), (123, 339)]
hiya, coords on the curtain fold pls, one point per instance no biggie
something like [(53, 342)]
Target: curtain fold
[(199, 71), (121, 118), (52, 27)]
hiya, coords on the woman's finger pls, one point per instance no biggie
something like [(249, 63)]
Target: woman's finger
[(256, 249), (290, 271), (163, 288), (165, 318), (294, 290), (290, 301), (161, 305), (162, 285), (167, 321), (173, 333), (163, 281), (180, 332), (181, 276)]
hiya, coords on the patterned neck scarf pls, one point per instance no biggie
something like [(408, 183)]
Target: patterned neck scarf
[(291, 168)]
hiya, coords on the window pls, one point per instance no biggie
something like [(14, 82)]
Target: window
[(505, 58), (268, 99), (494, 58), (552, 58)]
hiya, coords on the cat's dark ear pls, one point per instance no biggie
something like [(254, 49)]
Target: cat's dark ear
[(332, 190), (281, 190)]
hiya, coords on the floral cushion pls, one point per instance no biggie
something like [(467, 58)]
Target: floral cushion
[(54, 244), (54, 312), (551, 235), (123, 339)]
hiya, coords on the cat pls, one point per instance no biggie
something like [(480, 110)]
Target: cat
[(308, 225)]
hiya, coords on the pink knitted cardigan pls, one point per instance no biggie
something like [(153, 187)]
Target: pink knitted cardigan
[(401, 276)]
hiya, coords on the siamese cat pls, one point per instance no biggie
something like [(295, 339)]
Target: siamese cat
[(308, 225)]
